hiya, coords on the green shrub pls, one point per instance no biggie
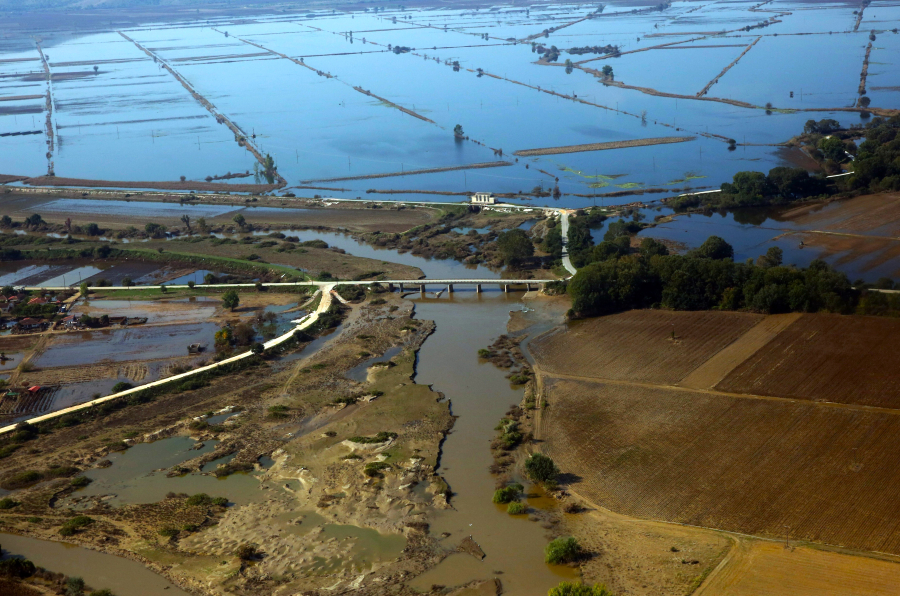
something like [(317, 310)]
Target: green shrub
[(374, 468), (80, 481), (199, 499), (190, 527), (7, 503), (379, 438), (103, 592), (21, 480), (246, 552), (562, 550), (515, 508), (278, 412), (507, 494), (121, 386), (219, 501), (573, 589), (168, 532)]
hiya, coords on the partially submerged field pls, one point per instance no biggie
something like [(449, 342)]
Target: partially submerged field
[(765, 430)]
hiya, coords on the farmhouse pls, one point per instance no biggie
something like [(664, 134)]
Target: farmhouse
[(483, 198)]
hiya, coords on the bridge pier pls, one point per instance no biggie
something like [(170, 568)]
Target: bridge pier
[(505, 288), (422, 288), (477, 288), (391, 287), (449, 288), (401, 288)]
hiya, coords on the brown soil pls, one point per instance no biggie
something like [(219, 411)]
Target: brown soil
[(825, 357), (638, 345), (714, 460), (602, 146), (295, 213), (759, 568), (799, 434)]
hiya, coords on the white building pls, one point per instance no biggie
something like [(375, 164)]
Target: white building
[(483, 198)]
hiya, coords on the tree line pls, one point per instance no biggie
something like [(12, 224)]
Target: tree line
[(704, 279)]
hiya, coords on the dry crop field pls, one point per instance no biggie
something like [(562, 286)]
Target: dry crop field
[(826, 358), (638, 345), (647, 427)]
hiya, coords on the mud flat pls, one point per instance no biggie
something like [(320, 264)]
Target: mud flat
[(602, 146)]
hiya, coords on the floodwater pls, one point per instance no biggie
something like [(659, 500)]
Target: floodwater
[(480, 395), (155, 312), (360, 372), (133, 476), (751, 232), (117, 345), (120, 115), (99, 570)]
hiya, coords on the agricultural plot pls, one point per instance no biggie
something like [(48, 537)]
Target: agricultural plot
[(829, 358), (639, 346), (746, 465)]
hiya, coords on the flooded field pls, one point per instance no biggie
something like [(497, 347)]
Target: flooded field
[(117, 345), (205, 100)]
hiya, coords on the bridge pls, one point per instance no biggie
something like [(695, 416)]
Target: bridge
[(403, 285)]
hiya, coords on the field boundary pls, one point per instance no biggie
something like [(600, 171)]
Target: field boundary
[(713, 371)]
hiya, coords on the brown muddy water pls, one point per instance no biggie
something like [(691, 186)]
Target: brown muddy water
[(138, 475), (480, 395), (99, 570)]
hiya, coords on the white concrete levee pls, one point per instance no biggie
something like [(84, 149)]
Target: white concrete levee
[(304, 323)]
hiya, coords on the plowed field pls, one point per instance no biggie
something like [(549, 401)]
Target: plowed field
[(638, 345), (822, 357), (748, 465)]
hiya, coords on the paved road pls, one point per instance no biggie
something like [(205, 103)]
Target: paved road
[(304, 323), (567, 263)]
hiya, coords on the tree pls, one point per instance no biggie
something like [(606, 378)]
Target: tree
[(186, 220), (269, 168), (607, 71), (5, 221), (83, 288), (34, 221), (230, 299), (258, 349), (864, 101), (772, 258), (562, 550), (246, 552), (541, 468), (458, 131), (651, 247), (573, 589), (126, 281), (714, 248), (514, 246), (239, 220), (96, 68), (833, 148)]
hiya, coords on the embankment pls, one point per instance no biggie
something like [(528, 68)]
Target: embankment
[(705, 90), (865, 71), (472, 166), (602, 146), (156, 185)]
